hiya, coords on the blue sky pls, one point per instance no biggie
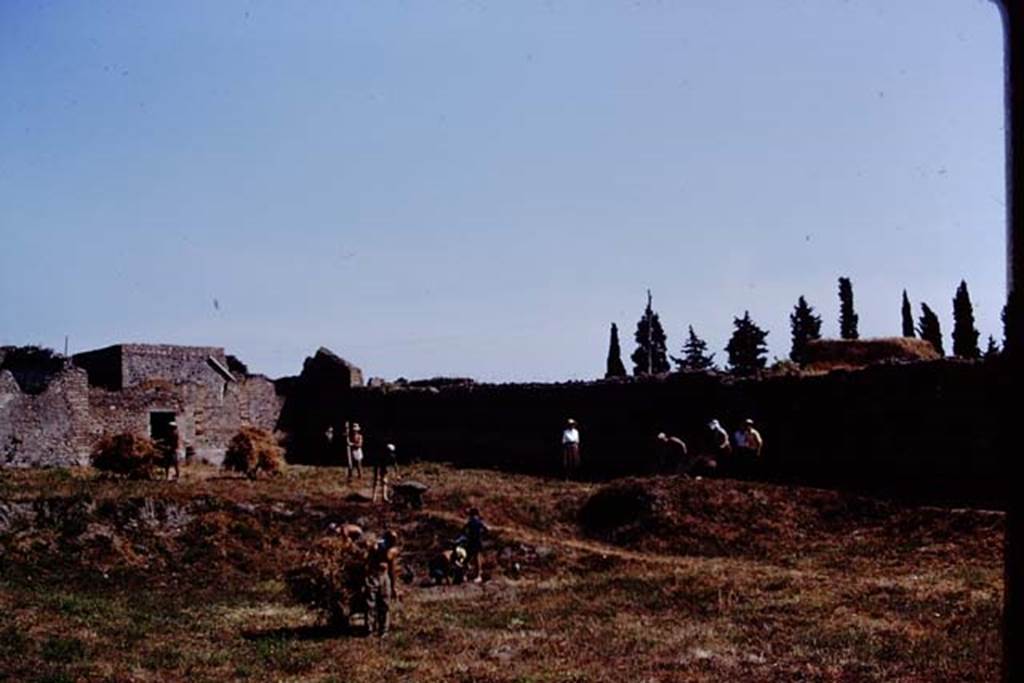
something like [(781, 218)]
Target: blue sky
[(480, 188)]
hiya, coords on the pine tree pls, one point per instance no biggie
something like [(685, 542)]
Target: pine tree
[(847, 317), (651, 355), (965, 335), (928, 328), (615, 368), (747, 351), (992, 350), (805, 326), (695, 355), (908, 317)]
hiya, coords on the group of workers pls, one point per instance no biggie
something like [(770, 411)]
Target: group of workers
[(454, 564), (383, 463), (716, 453), (461, 559)]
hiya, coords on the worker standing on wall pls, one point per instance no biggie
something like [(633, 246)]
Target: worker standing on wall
[(570, 449), (748, 444)]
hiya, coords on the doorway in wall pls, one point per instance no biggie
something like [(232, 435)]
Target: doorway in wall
[(160, 425)]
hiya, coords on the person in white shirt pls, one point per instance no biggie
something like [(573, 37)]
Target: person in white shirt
[(570, 449), (748, 444)]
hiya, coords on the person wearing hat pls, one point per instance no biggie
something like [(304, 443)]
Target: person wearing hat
[(570, 449), (717, 446), (448, 566), (386, 461), (748, 444), (355, 451)]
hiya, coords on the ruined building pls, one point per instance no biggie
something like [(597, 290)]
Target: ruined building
[(138, 388)]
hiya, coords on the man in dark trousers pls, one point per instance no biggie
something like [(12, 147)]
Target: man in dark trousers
[(474, 532), (384, 463)]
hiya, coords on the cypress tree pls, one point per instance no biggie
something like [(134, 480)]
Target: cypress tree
[(805, 326), (614, 368), (695, 355), (1010, 321), (651, 355), (908, 317), (965, 334), (928, 328), (847, 317), (747, 351)]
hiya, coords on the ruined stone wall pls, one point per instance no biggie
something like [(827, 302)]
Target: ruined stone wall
[(208, 416), (177, 364), (923, 430), (259, 402), (45, 429), (115, 412), (61, 425)]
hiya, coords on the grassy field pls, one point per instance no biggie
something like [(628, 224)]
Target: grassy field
[(638, 580)]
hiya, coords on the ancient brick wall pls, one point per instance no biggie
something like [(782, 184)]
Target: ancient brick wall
[(259, 402), (127, 365), (45, 429), (114, 412), (142, 362), (924, 429), (60, 425)]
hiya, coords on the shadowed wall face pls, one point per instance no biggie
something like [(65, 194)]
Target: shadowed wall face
[(921, 430)]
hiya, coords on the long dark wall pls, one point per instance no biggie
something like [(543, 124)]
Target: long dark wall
[(924, 430)]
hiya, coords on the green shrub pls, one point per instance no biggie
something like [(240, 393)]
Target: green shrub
[(253, 451), (127, 455)]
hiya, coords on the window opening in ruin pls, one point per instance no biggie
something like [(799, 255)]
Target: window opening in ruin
[(160, 424)]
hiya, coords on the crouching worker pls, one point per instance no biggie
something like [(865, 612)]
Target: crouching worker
[(448, 566), (382, 584), (674, 458)]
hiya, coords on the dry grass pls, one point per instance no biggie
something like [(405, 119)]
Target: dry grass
[(127, 455), (734, 582), (254, 451)]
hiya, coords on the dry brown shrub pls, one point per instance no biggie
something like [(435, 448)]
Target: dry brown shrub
[(126, 455), (330, 579), (833, 354), (253, 451)]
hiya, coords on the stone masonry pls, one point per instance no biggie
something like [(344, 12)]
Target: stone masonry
[(118, 389)]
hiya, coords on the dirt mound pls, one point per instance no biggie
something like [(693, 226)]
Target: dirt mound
[(728, 518), (829, 354)]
